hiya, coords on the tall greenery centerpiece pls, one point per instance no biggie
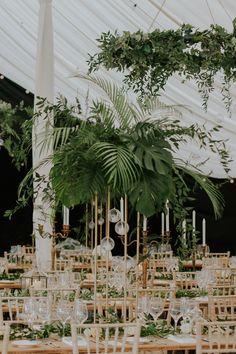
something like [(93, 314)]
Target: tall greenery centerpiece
[(148, 60), (125, 147)]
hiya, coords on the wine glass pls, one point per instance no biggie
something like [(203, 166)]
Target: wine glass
[(43, 311), (156, 307), (143, 308), (63, 311), (80, 313), (29, 311), (176, 311)]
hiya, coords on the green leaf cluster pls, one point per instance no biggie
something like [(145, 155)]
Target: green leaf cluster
[(148, 60), (124, 147)]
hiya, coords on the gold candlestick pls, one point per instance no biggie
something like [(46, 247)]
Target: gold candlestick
[(145, 260), (54, 235)]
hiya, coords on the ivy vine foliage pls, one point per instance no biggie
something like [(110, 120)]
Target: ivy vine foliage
[(121, 145), (15, 132), (152, 58)]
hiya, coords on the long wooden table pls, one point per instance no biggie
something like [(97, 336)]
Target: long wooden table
[(58, 347)]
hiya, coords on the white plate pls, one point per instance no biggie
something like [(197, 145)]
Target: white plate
[(26, 343)]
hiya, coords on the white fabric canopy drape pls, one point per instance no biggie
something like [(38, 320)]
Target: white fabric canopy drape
[(44, 87), (77, 25)]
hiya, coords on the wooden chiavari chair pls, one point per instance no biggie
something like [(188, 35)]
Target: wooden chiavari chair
[(106, 338), (185, 280), (222, 308), (217, 337), (222, 290), (220, 259), (5, 331)]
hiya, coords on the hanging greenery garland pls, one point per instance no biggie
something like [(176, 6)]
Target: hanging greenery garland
[(152, 58)]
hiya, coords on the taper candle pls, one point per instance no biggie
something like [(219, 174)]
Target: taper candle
[(204, 232), (66, 214), (194, 221), (144, 223), (167, 216), (122, 209), (162, 224), (184, 229)]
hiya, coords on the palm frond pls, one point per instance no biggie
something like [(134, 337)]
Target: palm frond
[(118, 163), (210, 189), (119, 102)]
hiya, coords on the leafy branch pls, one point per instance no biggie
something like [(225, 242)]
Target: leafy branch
[(148, 60)]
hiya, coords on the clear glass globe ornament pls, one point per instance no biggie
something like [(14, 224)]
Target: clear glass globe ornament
[(129, 262), (100, 221), (99, 210), (121, 228), (114, 215), (107, 244), (91, 225)]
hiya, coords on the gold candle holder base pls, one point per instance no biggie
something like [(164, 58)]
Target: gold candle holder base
[(54, 236)]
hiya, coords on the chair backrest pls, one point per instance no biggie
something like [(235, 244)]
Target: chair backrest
[(220, 259), (28, 249), (222, 308), (185, 280), (221, 290), (161, 255), (166, 294), (19, 258), (216, 337), (12, 308), (223, 276), (125, 309), (5, 331), (62, 264), (106, 338), (218, 254)]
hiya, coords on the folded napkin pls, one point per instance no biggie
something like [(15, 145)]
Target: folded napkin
[(82, 342), (183, 340)]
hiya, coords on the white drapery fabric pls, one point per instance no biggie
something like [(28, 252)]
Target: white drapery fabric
[(44, 88), (77, 24)]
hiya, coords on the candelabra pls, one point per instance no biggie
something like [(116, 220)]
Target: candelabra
[(145, 253), (166, 237), (54, 236), (145, 260)]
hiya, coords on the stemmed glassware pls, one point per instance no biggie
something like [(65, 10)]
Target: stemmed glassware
[(156, 307), (80, 313), (63, 311), (143, 308), (176, 311), (43, 311), (30, 311)]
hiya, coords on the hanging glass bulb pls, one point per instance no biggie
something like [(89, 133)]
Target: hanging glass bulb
[(114, 215), (130, 262), (91, 225), (99, 210), (121, 228), (107, 244), (100, 221)]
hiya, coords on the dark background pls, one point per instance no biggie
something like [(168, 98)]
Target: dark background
[(220, 234)]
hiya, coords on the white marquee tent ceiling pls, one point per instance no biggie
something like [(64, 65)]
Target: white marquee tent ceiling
[(77, 25)]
